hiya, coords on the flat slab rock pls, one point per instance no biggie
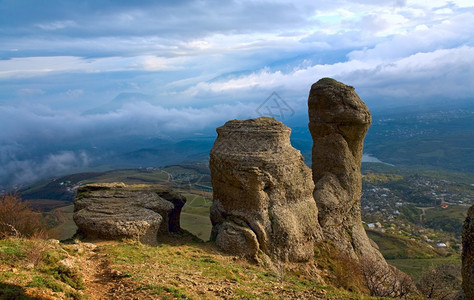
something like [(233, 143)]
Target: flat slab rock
[(116, 211)]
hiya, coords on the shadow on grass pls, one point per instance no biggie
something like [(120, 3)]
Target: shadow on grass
[(10, 291)]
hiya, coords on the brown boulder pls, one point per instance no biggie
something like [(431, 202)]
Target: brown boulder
[(117, 210), (262, 199)]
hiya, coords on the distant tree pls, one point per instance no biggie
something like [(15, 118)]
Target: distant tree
[(18, 219), (387, 282), (442, 282)]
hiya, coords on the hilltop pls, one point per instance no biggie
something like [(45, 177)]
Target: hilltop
[(180, 268)]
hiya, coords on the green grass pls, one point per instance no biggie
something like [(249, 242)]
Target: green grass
[(181, 268), (186, 270), (166, 292), (381, 178), (393, 247), (12, 251), (43, 282), (67, 275), (417, 267), (412, 257), (448, 219), (68, 228), (12, 291), (45, 272), (195, 216), (133, 176)]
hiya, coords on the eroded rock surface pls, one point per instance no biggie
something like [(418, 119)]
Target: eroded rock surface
[(338, 122), (262, 197), (117, 210), (468, 255)]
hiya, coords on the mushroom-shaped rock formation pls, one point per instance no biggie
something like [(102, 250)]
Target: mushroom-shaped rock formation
[(338, 122), (117, 210), (262, 200)]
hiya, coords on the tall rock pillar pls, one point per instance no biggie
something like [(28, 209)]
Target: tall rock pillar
[(338, 122)]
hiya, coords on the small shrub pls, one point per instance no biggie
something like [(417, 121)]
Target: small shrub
[(51, 257), (10, 291), (67, 275), (46, 282), (37, 252), (345, 271), (18, 219), (75, 295)]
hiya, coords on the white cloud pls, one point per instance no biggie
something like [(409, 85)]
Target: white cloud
[(434, 71), (34, 146), (40, 66), (38, 123), (57, 25), (154, 63), (26, 92), (458, 31), (463, 3), (18, 172), (74, 93)]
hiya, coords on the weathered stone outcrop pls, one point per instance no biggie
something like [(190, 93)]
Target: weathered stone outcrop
[(468, 255), (116, 210), (338, 122), (263, 199)]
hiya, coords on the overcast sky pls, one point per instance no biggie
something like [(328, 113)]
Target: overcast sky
[(74, 68)]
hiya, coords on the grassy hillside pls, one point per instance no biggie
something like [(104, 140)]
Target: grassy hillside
[(448, 219), (66, 228), (57, 192), (418, 267), (178, 268), (195, 216), (393, 246), (412, 257)]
